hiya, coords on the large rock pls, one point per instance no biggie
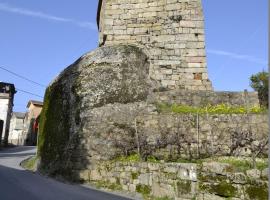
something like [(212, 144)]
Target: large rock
[(91, 106)]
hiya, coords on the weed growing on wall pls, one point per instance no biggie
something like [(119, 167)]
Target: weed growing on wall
[(209, 109)]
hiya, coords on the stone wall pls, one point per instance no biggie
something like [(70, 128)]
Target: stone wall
[(170, 137), (203, 98), (206, 181), (98, 109), (171, 33)]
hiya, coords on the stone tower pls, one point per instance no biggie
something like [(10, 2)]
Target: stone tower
[(170, 31)]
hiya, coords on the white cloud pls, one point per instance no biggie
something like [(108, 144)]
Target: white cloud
[(237, 56), (38, 14)]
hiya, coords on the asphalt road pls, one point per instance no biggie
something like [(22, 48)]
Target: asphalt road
[(19, 184)]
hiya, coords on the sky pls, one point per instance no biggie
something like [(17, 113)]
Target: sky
[(40, 38)]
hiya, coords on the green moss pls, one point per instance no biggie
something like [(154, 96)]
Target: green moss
[(134, 175), (117, 180), (183, 187), (243, 164), (130, 158), (108, 185), (143, 189), (222, 189), (257, 192), (30, 163), (161, 198), (152, 159), (108, 167), (212, 178), (181, 160), (217, 109), (261, 165), (54, 132)]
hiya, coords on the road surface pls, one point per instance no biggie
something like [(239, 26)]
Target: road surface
[(19, 184)]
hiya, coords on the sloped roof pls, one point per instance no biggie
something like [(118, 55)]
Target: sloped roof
[(34, 102), (19, 115)]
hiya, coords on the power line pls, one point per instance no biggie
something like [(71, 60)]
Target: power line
[(20, 90), (22, 77)]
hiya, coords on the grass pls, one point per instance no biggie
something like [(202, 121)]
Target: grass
[(130, 158), (209, 109), (242, 164), (108, 185), (30, 163), (239, 163), (157, 198)]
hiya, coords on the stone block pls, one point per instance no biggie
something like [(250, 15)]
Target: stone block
[(218, 168), (144, 179), (84, 175), (95, 175), (254, 173)]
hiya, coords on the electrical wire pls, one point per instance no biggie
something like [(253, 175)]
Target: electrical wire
[(22, 77), (20, 90)]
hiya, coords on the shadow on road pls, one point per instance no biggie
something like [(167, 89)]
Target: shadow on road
[(20, 184), (17, 149), (11, 155)]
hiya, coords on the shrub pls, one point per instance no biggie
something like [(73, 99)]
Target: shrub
[(210, 109), (259, 82)]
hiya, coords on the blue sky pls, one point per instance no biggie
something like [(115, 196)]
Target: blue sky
[(40, 38)]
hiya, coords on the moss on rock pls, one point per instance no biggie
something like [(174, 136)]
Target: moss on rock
[(183, 187), (77, 107), (222, 189), (257, 192), (54, 129), (143, 189)]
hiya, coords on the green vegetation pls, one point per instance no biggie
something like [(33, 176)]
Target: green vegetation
[(184, 187), (145, 190), (259, 82), (134, 175), (157, 198), (223, 189), (54, 132), (130, 158), (211, 178), (237, 163), (54, 125), (152, 159), (242, 164), (136, 158), (108, 185), (30, 163), (209, 109), (182, 160), (257, 192)]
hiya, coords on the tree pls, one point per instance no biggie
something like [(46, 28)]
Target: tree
[(259, 82)]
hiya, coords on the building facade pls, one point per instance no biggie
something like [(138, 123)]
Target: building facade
[(30, 122), (171, 32), (16, 128), (7, 92)]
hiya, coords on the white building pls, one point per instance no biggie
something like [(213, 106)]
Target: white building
[(7, 92), (16, 136)]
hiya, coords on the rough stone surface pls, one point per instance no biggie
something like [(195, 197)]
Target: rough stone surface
[(198, 181), (172, 32), (81, 103), (172, 136), (104, 106), (203, 98), (254, 173)]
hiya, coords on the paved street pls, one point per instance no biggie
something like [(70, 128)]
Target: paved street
[(19, 184)]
